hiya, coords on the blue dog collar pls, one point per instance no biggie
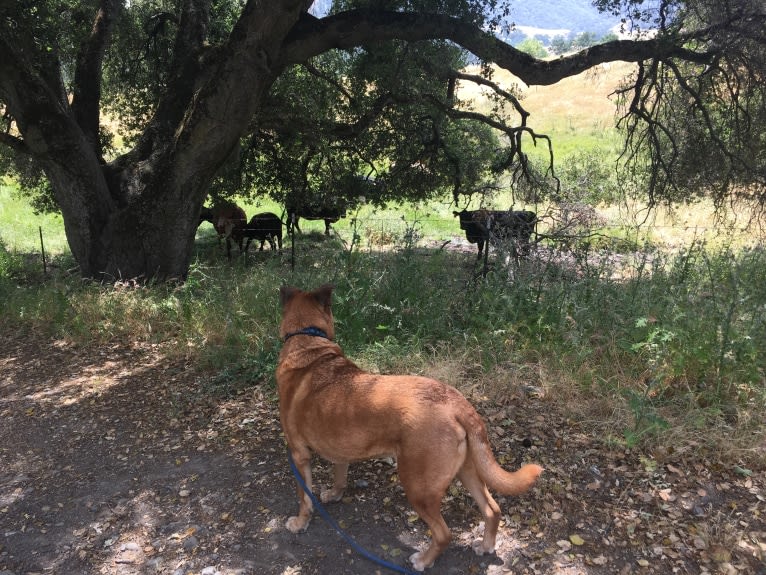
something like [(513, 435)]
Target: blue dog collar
[(314, 331)]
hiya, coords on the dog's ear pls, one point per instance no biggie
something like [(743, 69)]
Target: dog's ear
[(286, 293), (323, 295)]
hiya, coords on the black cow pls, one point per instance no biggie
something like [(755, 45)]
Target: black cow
[(330, 215), (264, 227), (481, 226)]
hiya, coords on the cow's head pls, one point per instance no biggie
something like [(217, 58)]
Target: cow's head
[(466, 218)]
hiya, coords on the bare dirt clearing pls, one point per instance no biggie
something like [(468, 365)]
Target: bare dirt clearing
[(113, 461)]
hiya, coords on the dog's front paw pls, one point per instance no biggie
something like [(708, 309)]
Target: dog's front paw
[(417, 561), (331, 495), (297, 524), (480, 548)]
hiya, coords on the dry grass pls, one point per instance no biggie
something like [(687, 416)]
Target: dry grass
[(678, 226), (579, 104)]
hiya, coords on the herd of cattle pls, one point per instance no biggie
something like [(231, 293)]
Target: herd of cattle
[(481, 227)]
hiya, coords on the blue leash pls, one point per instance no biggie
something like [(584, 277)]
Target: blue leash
[(330, 521)]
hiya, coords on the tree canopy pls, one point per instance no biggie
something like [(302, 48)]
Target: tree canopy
[(222, 95)]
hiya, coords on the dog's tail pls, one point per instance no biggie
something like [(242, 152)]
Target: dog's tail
[(496, 478)]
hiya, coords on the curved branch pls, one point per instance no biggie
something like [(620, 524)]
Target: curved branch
[(314, 71), (353, 28), (497, 90)]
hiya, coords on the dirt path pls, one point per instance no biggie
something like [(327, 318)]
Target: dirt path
[(113, 462)]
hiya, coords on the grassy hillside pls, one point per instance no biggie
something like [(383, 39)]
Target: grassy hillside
[(577, 112)]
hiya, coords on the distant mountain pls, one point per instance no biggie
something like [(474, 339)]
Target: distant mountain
[(560, 17), (542, 18)]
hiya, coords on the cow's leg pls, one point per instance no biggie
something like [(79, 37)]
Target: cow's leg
[(327, 227), (480, 243)]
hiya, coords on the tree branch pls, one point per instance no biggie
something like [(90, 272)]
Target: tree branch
[(86, 100), (17, 144), (313, 70), (346, 30), (523, 114)]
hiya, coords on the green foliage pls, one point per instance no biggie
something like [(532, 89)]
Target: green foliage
[(709, 330), (585, 177), (383, 113), (584, 40), (647, 423), (533, 47), (563, 44), (700, 135), (138, 68), (560, 45), (9, 262)]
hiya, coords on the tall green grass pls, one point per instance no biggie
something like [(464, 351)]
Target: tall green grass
[(647, 349), (20, 227)]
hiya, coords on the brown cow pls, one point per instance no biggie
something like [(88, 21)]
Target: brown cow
[(227, 219)]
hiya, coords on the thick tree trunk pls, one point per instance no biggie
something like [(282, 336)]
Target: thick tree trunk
[(148, 232), (145, 230), (137, 217), (151, 237)]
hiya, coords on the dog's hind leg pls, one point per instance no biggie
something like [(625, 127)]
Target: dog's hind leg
[(488, 507), (340, 482), (425, 475), (300, 522), (427, 505)]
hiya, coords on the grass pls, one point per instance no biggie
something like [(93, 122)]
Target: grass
[(576, 112), (667, 352), (20, 227)]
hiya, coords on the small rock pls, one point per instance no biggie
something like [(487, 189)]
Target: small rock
[(130, 546), (190, 543)]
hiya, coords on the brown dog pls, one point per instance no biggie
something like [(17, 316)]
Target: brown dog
[(330, 406)]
